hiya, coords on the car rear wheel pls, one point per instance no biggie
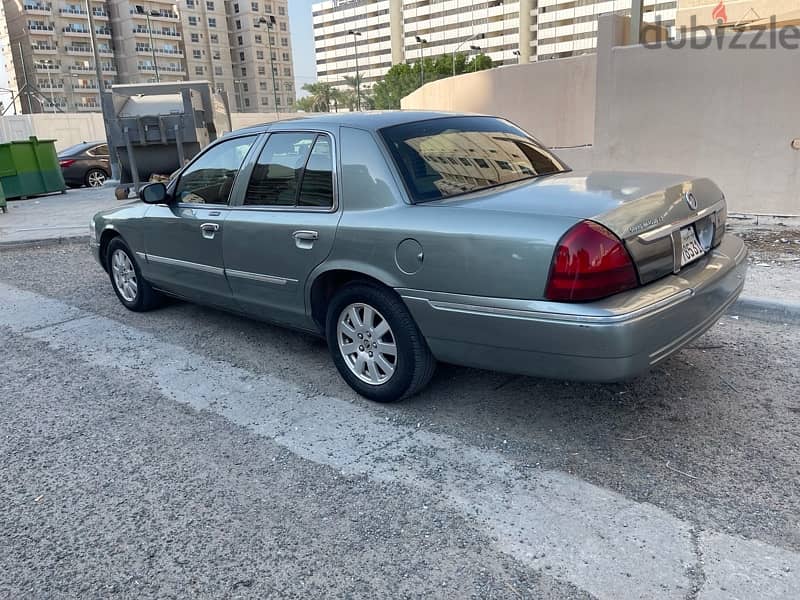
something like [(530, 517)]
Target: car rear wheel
[(95, 178), (132, 289), (375, 344)]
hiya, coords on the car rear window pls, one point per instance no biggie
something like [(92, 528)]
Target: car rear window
[(449, 156)]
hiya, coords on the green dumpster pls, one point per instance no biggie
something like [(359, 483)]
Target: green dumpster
[(30, 167), (2, 200)]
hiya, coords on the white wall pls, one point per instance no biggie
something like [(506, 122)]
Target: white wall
[(554, 100)]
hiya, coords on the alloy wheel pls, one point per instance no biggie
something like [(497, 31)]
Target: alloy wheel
[(367, 343), (124, 275), (96, 178)]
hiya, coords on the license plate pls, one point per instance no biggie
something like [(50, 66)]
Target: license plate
[(690, 246)]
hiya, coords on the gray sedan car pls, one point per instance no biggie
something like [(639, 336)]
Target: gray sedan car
[(406, 238)]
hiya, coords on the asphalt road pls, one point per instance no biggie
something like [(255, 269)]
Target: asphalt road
[(191, 453)]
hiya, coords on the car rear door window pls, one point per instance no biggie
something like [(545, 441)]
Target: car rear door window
[(317, 187), (210, 178), (100, 151), (294, 169)]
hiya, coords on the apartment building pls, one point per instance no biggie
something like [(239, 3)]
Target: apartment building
[(225, 42), (380, 33)]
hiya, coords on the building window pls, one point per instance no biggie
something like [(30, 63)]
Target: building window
[(210, 5), (241, 56), (254, 6), (260, 54), (196, 54), (268, 8), (264, 101), (247, 102), (212, 22), (262, 85), (190, 3), (283, 26), (193, 21), (287, 71), (216, 55), (238, 23), (198, 70), (258, 38), (214, 38), (244, 72), (236, 8), (217, 70), (262, 70), (282, 11), (284, 41), (195, 38), (286, 56), (245, 87)]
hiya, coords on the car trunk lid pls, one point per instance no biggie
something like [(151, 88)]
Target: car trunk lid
[(647, 211)]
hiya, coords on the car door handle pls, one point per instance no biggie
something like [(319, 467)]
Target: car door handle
[(209, 229), (305, 239)]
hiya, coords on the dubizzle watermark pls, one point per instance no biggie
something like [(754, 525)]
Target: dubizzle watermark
[(767, 36)]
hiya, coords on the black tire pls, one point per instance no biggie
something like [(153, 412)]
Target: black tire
[(146, 298), (414, 364), (90, 172)]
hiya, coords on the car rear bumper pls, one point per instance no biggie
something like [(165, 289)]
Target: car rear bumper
[(609, 340)]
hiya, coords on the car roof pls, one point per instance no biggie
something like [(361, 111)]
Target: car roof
[(372, 120)]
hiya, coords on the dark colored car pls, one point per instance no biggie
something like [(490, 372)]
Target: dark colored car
[(86, 164)]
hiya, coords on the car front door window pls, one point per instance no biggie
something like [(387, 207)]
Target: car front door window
[(210, 178)]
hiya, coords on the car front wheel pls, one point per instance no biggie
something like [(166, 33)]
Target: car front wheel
[(375, 344), (131, 288)]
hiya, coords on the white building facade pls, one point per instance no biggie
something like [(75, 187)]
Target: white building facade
[(388, 32)]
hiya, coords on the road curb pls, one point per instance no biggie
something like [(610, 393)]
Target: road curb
[(64, 239), (763, 309)]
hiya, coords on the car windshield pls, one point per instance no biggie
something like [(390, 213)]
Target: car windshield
[(446, 157)]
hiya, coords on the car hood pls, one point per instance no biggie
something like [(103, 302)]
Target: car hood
[(628, 203)]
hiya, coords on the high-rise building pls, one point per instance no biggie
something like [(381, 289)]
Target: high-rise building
[(223, 41), (380, 33)]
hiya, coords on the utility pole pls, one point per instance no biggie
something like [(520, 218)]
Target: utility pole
[(421, 42), (26, 86), (357, 35), (270, 28), (98, 70), (152, 45)]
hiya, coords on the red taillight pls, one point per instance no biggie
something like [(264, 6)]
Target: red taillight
[(590, 263), (66, 162)]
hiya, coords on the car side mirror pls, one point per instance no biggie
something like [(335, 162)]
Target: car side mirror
[(154, 193)]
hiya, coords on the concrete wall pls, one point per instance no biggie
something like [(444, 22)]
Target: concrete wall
[(72, 128), (729, 114), (552, 99)]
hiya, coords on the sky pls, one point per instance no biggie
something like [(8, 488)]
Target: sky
[(305, 70)]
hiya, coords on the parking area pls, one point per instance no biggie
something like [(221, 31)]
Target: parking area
[(188, 452)]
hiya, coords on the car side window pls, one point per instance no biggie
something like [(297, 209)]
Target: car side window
[(294, 169), (100, 151), (210, 178), (317, 187)]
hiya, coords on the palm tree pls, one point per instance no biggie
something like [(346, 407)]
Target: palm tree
[(321, 96), (356, 85)]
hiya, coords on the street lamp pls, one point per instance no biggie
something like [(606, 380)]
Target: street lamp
[(270, 23), (518, 54), (475, 48), (421, 41), (477, 36), (356, 35), (239, 82), (47, 64)]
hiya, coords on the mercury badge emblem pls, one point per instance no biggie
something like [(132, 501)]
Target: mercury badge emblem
[(690, 200)]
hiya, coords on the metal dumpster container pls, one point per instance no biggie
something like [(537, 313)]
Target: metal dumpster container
[(155, 128), (29, 168), (3, 206)]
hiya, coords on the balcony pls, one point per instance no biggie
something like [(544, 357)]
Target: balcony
[(40, 29), (100, 14), (75, 32), (86, 87), (79, 50), (87, 106), (44, 49), (103, 33), (46, 85), (155, 15), (157, 33), (75, 13), (37, 9), (167, 52), (40, 68), (162, 69), (81, 69)]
